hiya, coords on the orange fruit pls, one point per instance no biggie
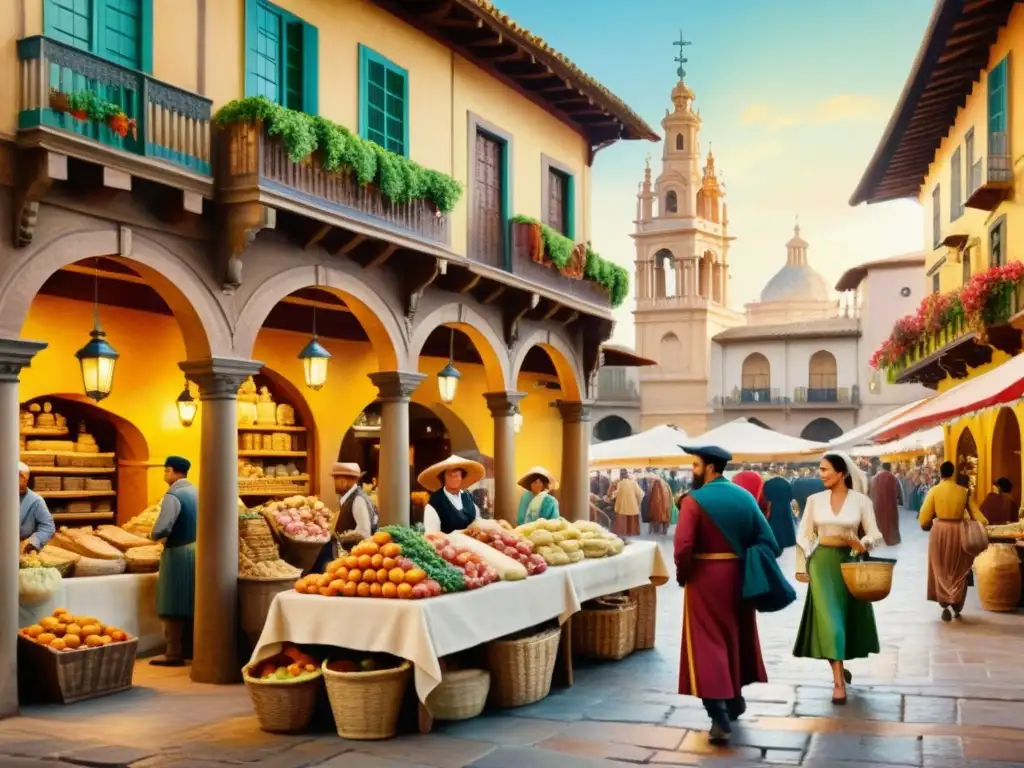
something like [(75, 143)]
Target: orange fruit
[(354, 574), (90, 629), (300, 586), (350, 589), (388, 563), (60, 629), (415, 576), (364, 561), (341, 573), (333, 566), (93, 641), (391, 550), (351, 562), (58, 644), (34, 631), (324, 579), (118, 636), (383, 575), (389, 590), (48, 623), (370, 576), (405, 591), (326, 592), (377, 561), (105, 639), (370, 547), (72, 641), (58, 612), (73, 629), (375, 590), (336, 586), (363, 590), (397, 575), (382, 538), (46, 638)]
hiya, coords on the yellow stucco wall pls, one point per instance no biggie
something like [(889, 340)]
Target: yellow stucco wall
[(147, 382), (974, 114), (444, 88)]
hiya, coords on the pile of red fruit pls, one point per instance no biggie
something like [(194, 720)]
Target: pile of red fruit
[(476, 572), (510, 545)]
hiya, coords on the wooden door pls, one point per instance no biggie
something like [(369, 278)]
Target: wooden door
[(556, 201), (488, 224)]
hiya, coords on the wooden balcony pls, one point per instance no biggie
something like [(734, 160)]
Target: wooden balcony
[(827, 397), (170, 140), (255, 168), (752, 399), (991, 179)]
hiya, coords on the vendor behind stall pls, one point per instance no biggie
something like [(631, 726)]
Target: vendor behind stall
[(36, 521), (357, 511), (537, 502), (176, 585), (450, 508)]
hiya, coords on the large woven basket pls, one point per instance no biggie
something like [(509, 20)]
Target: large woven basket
[(301, 554), (521, 668), (646, 599), (868, 580), (606, 631), (283, 706), (254, 599), (997, 572), (70, 676), (366, 705), (461, 694)]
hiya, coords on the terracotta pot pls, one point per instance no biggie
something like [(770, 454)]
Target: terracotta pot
[(79, 114), (997, 571), (58, 101), (527, 242), (577, 263)]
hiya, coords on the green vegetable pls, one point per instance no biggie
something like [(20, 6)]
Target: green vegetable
[(420, 551)]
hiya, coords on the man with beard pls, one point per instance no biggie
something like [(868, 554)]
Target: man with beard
[(725, 558)]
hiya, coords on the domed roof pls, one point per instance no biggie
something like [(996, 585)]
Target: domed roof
[(796, 283)]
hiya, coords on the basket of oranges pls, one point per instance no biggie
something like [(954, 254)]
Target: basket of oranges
[(66, 658)]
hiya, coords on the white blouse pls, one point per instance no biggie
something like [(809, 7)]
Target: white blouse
[(432, 521), (819, 520)]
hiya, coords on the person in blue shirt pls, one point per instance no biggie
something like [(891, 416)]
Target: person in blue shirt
[(537, 502), (37, 526)]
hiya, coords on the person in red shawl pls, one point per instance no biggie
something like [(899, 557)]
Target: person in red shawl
[(885, 496), (753, 484), (725, 558)]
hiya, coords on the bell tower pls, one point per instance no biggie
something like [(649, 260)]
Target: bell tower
[(682, 271)]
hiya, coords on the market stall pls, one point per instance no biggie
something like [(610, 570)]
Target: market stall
[(747, 441), (916, 444), (657, 447)]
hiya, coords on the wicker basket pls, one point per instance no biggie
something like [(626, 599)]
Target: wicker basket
[(868, 580), (366, 705), (301, 554), (71, 676), (283, 706), (461, 694), (646, 599), (997, 572), (607, 631), (254, 599), (521, 668)]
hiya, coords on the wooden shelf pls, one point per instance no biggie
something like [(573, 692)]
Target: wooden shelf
[(84, 516), (69, 453), (270, 428), (73, 470), (271, 454), (298, 491), (291, 479), (76, 494), (44, 432)]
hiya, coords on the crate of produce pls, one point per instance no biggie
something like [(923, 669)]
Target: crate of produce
[(605, 629), (461, 694), (646, 599), (73, 484), (284, 690), (99, 484), (521, 667), (66, 676), (365, 700)]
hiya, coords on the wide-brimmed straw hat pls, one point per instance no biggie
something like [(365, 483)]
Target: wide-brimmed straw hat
[(532, 472), (432, 478), (346, 469)]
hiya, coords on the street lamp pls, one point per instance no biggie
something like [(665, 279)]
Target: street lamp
[(97, 358), (314, 360), (448, 377), (187, 406), (517, 420)]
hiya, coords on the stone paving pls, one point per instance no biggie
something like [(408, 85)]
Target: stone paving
[(938, 696)]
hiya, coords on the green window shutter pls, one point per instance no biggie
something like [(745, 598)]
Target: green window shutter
[(251, 33), (997, 98), (310, 70), (383, 102), (570, 206), (146, 33), (267, 49), (292, 59), (118, 25), (69, 22)]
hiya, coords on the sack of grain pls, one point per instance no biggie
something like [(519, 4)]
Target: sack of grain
[(120, 538), (86, 545), (143, 559), (142, 523), (90, 566), (53, 555), (255, 533)]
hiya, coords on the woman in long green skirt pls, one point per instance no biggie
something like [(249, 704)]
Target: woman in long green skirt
[(835, 625)]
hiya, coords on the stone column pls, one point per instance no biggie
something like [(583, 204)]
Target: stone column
[(395, 387), (14, 355), (680, 276), (215, 658), (502, 406), (575, 494)]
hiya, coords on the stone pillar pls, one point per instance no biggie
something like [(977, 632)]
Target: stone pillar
[(680, 276), (14, 355), (502, 406), (395, 387), (575, 494), (216, 603)]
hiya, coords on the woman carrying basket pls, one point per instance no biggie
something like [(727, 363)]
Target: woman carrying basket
[(835, 625)]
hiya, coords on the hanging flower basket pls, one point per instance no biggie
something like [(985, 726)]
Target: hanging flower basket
[(122, 125), (58, 100), (578, 262), (526, 240)]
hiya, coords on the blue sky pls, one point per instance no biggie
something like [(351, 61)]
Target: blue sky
[(794, 96)]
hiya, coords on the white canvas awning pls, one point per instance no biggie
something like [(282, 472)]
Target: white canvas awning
[(747, 441), (657, 447), (862, 434), (919, 442)]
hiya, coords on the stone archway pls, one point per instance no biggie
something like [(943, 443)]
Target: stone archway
[(1005, 453), (612, 428), (966, 459), (562, 357), (821, 430), (486, 340), (666, 281)]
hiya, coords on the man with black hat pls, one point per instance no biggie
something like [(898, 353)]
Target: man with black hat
[(725, 558), (176, 586)]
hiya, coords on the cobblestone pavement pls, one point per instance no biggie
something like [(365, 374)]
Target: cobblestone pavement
[(938, 696)]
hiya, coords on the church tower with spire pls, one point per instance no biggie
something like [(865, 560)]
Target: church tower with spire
[(682, 242)]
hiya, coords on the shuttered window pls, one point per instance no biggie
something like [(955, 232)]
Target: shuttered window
[(489, 212), (120, 31), (956, 189), (383, 102), (560, 204), (998, 106), (282, 57)]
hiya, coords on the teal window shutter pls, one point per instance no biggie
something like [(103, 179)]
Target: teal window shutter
[(70, 22), (293, 80), (146, 29), (310, 70), (118, 26), (383, 102), (570, 206), (251, 34), (997, 98)]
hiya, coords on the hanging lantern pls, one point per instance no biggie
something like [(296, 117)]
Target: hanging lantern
[(448, 377), (314, 363), (187, 406), (517, 420), (97, 360)]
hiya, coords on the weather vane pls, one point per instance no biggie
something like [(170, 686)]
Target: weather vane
[(680, 59)]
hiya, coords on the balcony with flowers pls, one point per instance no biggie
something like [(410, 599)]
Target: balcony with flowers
[(952, 332)]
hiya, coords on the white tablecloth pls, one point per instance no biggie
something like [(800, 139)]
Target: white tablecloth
[(422, 631), (127, 601)]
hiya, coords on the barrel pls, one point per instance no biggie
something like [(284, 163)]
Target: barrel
[(997, 576)]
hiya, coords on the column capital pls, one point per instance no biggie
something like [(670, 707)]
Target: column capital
[(16, 354), (219, 378), (503, 403), (396, 385), (574, 411)]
